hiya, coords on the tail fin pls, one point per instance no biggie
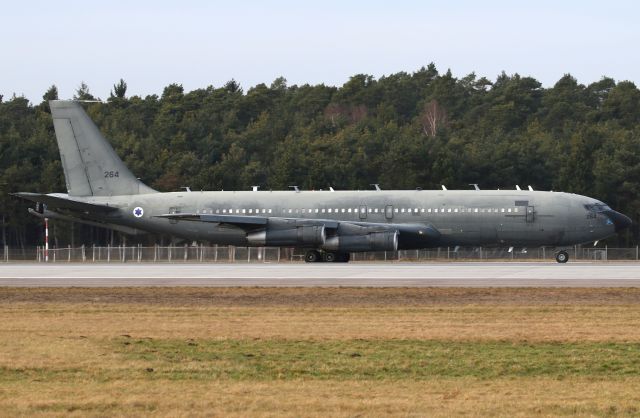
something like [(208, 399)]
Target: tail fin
[(91, 166)]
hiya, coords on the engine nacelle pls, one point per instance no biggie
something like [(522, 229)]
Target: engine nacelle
[(374, 241), (301, 236)]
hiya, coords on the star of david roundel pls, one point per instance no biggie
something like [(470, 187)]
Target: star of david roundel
[(138, 212)]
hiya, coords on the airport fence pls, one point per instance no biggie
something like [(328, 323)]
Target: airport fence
[(231, 254)]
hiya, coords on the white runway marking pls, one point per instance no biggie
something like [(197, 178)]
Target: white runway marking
[(482, 274)]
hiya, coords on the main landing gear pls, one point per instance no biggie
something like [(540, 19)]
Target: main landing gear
[(562, 257), (314, 256)]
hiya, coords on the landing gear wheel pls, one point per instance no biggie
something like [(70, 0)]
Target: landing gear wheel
[(312, 256), (562, 257), (329, 257)]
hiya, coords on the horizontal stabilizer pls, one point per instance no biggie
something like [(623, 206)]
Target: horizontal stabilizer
[(55, 215), (62, 201)]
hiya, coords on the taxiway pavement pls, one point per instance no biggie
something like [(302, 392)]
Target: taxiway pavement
[(465, 274)]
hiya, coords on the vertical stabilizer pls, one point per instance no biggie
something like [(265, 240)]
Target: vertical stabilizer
[(91, 166)]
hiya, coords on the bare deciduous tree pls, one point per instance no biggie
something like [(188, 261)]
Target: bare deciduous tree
[(334, 112), (354, 113), (433, 118)]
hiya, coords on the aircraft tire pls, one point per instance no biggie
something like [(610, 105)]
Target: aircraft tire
[(562, 257), (312, 256), (329, 257)]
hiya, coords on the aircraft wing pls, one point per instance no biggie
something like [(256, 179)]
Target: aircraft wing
[(249, 223), (222, 219), (62, 201)]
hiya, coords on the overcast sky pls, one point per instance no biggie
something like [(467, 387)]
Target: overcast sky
[(151, 44)]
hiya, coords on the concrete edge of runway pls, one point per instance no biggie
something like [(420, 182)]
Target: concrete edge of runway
[(119, 282), (322, 275)]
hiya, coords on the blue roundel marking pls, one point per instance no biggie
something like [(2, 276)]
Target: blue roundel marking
[(138, 212)]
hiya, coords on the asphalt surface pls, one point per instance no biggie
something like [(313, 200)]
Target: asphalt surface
[(484, 274)]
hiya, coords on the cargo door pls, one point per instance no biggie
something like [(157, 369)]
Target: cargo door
[(530, 214)]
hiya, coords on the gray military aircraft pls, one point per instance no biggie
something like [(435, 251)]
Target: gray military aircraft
[(328, 224)]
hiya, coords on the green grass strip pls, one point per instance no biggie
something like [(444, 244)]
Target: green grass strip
[(379, 359)]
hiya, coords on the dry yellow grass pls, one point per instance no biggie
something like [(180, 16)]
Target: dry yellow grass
[(471, 322), (440, 397), (67, 353)]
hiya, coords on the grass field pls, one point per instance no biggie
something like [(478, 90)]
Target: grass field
[(320, 352)]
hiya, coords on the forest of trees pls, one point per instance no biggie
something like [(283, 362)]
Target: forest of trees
[(403, 131)]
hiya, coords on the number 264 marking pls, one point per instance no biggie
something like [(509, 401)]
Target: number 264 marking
[(111, 174)]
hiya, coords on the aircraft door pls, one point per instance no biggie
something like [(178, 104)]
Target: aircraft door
[(363, 212), (530, 215), (388, 212)]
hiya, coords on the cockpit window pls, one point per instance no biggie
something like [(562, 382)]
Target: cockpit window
[(597, 207)]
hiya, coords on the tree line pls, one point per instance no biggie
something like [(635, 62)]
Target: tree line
[(404, 130)]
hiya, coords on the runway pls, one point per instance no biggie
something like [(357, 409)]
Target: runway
[(481, 274)]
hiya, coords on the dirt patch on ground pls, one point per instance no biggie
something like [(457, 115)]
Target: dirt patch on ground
[(324, 297)]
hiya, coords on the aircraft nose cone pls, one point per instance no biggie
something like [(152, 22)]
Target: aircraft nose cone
[(619, 220)]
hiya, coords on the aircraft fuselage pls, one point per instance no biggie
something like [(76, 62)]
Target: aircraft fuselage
[(465, 218)]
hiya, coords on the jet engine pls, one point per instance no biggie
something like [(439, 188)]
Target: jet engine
[(374, 241), (300, 236)]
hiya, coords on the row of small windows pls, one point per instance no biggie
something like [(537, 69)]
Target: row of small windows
[(365, 210), (243, 211)]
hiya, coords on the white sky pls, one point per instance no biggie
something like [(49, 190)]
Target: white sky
[(199, 43)]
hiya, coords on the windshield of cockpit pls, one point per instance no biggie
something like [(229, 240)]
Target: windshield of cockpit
[(596, 207)]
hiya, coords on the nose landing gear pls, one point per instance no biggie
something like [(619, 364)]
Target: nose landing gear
[(562, 257)]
